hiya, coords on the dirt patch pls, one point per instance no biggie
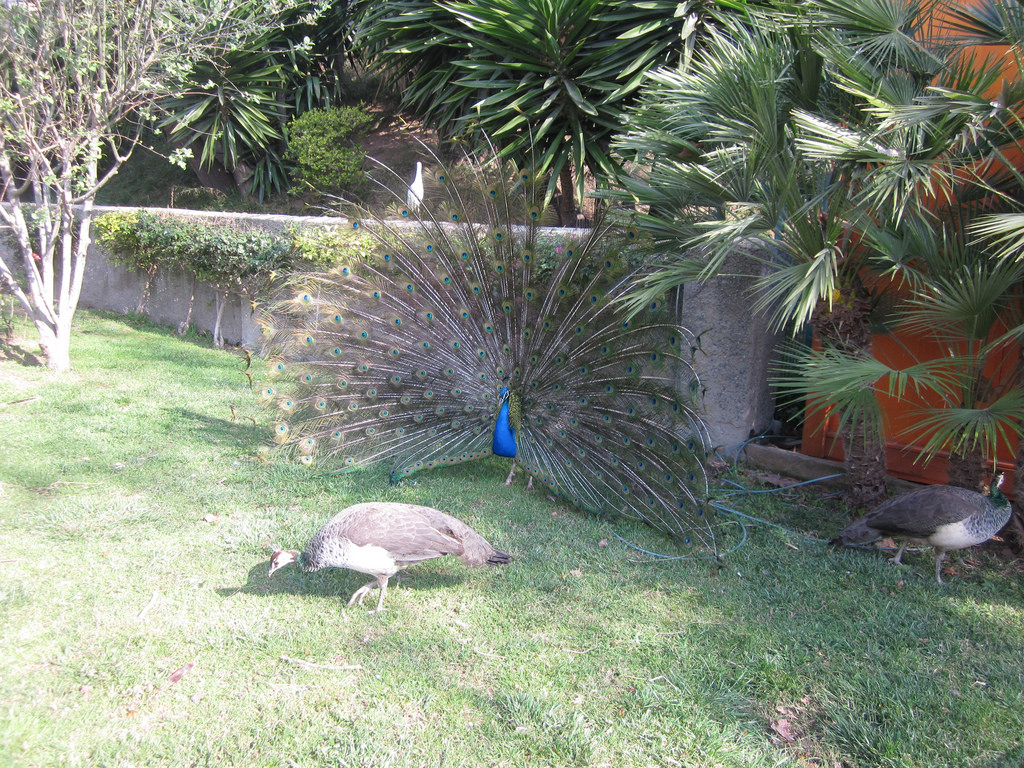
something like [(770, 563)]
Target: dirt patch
[(398, 142)]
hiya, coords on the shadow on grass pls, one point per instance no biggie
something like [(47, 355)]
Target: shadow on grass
[(333, 582), (222, 431), (9, 350), (1011, 758)]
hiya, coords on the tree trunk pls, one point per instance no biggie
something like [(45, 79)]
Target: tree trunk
[(846, 326), (865, 467), (214, 177), (567, 200), (56, 348), (968, 469), (140, 308), (184, 324), (220, 302), (244, 179), (50, 234), (1016, 523)]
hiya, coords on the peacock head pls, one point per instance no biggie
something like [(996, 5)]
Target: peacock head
[(281, 558)]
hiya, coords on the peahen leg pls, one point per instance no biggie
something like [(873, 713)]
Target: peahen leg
[(383, 582), (898, 559), (940, 555)]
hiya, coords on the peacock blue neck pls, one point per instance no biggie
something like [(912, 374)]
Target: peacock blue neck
[(504, 441)]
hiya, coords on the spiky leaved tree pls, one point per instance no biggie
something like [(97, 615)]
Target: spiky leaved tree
[(550, 79), (984, 308)]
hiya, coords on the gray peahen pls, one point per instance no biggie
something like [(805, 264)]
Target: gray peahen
[(381, 538), (943, 516), (470, 330)]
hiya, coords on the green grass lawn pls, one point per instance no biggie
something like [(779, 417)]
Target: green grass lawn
[(140, 627)]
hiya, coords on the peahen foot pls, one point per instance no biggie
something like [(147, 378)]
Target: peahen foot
[(897, 559), (361, 593), (381, 583)]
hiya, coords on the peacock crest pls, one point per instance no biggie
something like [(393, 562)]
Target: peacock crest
[(471, 330)]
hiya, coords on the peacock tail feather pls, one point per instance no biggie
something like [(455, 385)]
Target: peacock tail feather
[(468, 322)]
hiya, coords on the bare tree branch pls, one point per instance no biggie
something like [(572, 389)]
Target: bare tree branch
[(77, 76)]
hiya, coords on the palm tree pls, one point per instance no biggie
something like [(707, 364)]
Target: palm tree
[(800, 128), (959, 169), (232, 118)]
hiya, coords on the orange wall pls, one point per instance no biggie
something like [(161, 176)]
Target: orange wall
[(900, 350), (904, 440)]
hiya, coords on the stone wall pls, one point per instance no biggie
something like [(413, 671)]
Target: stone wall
[(735, 344), (736, 350), (167, 297)]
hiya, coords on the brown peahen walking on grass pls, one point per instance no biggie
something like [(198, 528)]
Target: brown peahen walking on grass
[(943, 516), (381, 538), (470, 330)]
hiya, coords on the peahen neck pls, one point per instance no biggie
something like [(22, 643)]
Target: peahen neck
[(998, 503), (998, 510), (306, 562)]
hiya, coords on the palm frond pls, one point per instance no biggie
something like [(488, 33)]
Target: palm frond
[(963, 430), (988, 22), (832, 382), (887, 33), (965, 303), (1005, 230)]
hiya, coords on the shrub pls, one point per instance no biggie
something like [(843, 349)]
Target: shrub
[(217, 254), (323, 248), (325, 146), (124, 236)]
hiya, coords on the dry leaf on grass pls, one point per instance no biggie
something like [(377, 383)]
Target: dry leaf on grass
[(180, 672), (785, 729)]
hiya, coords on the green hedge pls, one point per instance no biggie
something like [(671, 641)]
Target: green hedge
[(226, 256), (222, 255), (216, 254)]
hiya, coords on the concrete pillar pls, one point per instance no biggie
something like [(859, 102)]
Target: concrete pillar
[(735, 350)]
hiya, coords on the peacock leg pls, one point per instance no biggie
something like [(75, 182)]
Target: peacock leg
[(512, 471), (361, 593), (898, 559)]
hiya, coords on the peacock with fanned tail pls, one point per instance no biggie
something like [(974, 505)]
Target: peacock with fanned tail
[(470, 331)]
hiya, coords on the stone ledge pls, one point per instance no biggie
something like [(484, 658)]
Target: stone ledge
[(802, 467)]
